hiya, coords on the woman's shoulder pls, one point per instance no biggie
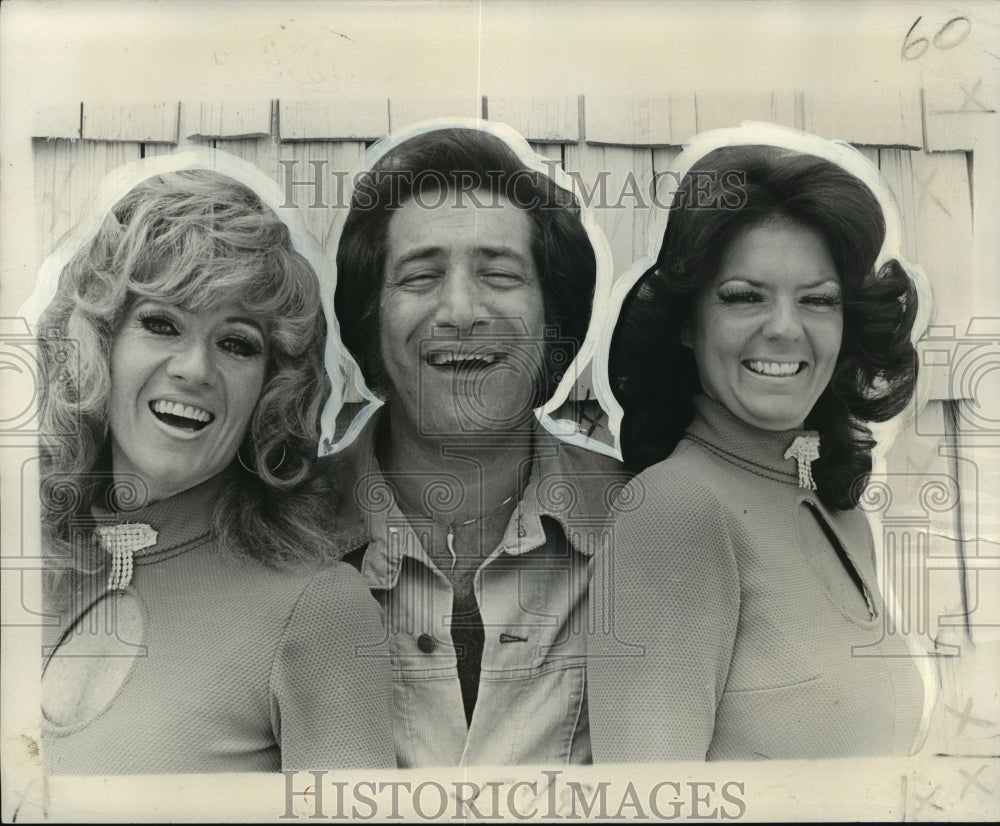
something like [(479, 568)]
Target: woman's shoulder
[(280, 583), (683, 478), (337, 598), (308, 594), (339, 578), (676, 502), (324, 576), (670, 521)]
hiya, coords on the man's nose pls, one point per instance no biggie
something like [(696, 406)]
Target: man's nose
[(193, 363), (458, 300), (783, 320)]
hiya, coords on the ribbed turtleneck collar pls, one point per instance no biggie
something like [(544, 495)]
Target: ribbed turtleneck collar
[(749, 447), (178, 519)]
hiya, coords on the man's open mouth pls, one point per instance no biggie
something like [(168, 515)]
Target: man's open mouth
[(183, 416), (774, 368), (472, 360)]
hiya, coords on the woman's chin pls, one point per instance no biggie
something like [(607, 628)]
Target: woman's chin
[(775, 417)]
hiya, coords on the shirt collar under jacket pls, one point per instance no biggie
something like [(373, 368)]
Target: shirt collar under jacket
[(752, 448)]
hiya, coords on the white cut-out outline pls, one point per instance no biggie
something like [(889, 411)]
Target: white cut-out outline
[(563, 429), (117, 183), (836, 151)]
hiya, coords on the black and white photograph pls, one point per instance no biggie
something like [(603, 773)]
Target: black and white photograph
[(465, 410)]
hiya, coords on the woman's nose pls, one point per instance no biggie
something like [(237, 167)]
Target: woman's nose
[(783, 321), (458, 300), (192, 363)]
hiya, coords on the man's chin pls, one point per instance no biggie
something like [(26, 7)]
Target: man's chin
[(468, 419)]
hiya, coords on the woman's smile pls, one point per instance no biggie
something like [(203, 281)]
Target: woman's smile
[(180, 416), (777, 369)]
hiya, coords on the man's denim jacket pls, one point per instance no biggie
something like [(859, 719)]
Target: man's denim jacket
[(532, 593)]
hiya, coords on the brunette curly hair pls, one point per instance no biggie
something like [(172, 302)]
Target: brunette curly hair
[(727, 191)]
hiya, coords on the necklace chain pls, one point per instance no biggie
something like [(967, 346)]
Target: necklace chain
[(450, 539)]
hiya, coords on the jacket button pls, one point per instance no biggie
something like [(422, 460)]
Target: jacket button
[(426, 643)]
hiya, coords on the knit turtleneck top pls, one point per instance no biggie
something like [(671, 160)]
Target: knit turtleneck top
[(206, 662), (741, 619)]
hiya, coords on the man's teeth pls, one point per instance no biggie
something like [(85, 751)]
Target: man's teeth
[(444, 359), (183, 411), (774, 368)]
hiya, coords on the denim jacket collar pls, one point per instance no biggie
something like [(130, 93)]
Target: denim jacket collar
[(559, 487)]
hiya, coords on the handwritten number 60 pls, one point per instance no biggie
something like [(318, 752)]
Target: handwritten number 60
[(944, 39)]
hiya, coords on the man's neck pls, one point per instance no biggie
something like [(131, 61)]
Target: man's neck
[(477, 474)]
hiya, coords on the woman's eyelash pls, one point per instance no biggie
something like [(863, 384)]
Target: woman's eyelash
[(740, 297), (752, 297), (157, 323), (824, 300), (239, 346)]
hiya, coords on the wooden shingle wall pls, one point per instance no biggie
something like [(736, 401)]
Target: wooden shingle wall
[(618, 144)]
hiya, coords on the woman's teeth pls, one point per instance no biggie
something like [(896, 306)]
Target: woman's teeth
[(181, 415), (774, 368)]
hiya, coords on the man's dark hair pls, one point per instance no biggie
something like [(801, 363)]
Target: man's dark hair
[(477, 167)]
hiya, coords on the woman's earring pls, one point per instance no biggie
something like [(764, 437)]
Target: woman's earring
[(254, 472), (244, 464)]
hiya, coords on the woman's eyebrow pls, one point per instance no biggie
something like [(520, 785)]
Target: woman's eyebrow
[(823, 282), (251, 322), (812, 285), (743, 280)]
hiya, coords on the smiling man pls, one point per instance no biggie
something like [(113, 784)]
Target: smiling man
[(465, 287)]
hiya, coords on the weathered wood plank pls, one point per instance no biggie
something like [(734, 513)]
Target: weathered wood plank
[(666, 183), (67, 176), (362, 119), (616, 181), (953, 130), (717, 111), (226, 119), (916, 495), (986, 198), (942, 228), (896, 166), (932, 192), (142, 122), (875, 116), (57, 121), (552, 151), (640, 120), (153, 150), (549, 119), (328, 167), (404, 111), (264, 153), (955, 115)]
